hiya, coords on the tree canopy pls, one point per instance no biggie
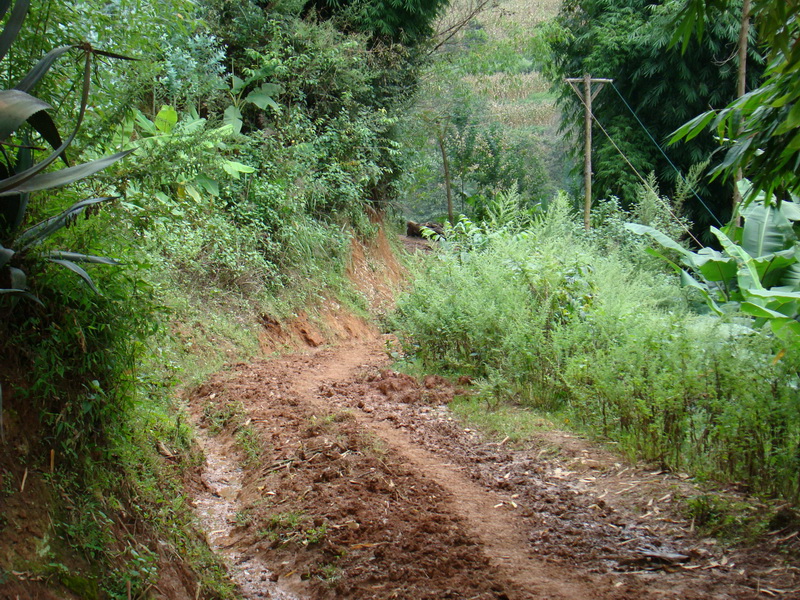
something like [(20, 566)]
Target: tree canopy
[(629, 41), (761, 130), (406, 21)]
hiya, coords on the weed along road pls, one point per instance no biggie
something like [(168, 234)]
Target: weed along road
[(330, 476)]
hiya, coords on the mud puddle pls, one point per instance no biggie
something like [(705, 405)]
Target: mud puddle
[(218, 509)]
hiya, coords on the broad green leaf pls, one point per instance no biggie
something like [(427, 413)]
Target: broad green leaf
[(790, 210), (772, 267), (766, 230), (661, 238), (786, 329), (233, 117), (657, 254), (237, 84), (123, 133), (166, 119), (780, 295), (192, 126), (193, 193), (689, 281), (262, 101), (791, 275), (233, 168), (714, 266), (144, 123), (273, 89), (263, 96), (761, 312), (748, 275), (208, 184)]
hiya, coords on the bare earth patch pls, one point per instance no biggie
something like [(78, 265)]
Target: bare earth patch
[(367, 487)]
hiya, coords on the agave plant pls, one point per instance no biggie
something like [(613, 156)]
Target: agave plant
[(20, 175)]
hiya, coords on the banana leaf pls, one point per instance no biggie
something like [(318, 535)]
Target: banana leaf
[(766, 230)]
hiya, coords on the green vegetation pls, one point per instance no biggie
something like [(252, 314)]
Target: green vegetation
[(285, 528), (228, 153), (760, 128), (481, 121), (556, 320), (698, 373), (247, 144), (629, 42)]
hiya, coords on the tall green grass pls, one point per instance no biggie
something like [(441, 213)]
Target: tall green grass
[(546, 316)]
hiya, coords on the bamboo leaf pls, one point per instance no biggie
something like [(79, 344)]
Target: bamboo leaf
[(693, 128)]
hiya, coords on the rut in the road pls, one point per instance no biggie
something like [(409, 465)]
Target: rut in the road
[(356, 497)]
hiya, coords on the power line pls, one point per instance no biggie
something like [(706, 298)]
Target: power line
[(639, 175), (664, 154)]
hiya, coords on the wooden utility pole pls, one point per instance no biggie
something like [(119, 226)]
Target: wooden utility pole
[(587, 97)]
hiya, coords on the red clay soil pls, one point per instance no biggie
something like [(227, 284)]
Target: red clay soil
[(366, 487)]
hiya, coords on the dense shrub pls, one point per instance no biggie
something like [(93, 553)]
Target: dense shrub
[(546, 318)]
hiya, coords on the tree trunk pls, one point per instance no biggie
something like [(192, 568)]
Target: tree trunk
[(740, 91), (447, 185)]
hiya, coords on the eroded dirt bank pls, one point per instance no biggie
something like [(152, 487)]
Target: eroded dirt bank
[(365, 487)]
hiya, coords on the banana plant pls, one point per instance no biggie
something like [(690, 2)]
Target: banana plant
[(757, 271), (262, 97), (21, 175)]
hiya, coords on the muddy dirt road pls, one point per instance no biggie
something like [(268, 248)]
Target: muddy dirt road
[(330, 476)]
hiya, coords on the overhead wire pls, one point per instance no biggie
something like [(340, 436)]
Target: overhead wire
[(664, 154), (639, 175)]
